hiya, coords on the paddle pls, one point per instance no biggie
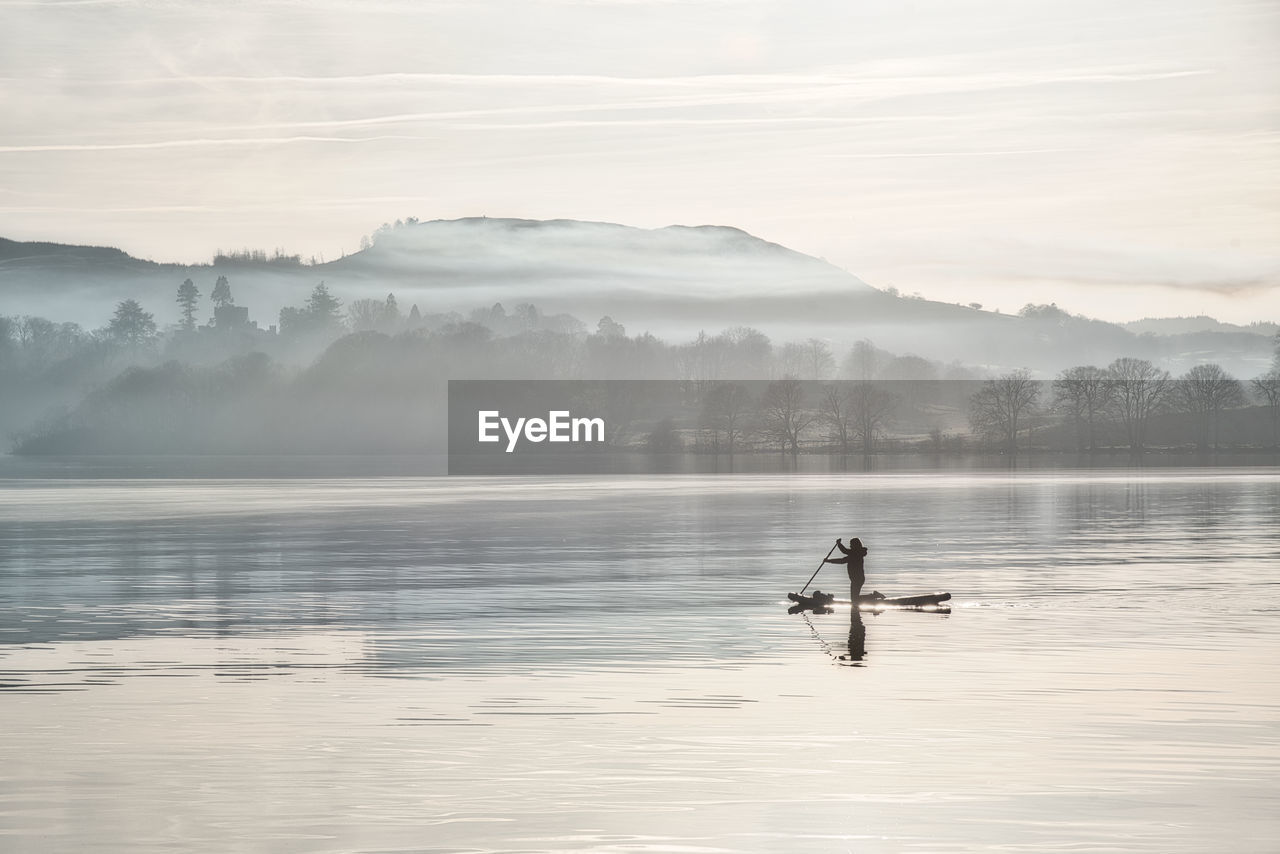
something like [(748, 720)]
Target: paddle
[(816, 571)]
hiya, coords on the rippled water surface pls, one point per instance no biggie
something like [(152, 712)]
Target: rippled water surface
[(490, 665)]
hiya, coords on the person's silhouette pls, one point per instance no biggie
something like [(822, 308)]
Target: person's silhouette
[(853, 558)]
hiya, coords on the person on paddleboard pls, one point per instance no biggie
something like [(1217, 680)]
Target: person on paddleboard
[(852, 560)]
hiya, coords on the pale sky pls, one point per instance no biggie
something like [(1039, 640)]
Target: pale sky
[(1119, 158)]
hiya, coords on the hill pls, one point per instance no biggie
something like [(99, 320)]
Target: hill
[(672, 281), (1199, 323)]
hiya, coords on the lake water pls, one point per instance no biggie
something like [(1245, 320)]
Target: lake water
[(591, 665)]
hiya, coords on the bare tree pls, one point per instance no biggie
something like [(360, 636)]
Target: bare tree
[(819, 363), (749, 353), (1083, 394), (702, 359), (810, 360), (790, 360), (1139, 389), (1000, 408), (863, 361), (871, 408), (783, 413), (836, 411), (1267, 388), (914, 378), (364, 315), (40, 341), (1204, 391), (35, 334), (725, 408)]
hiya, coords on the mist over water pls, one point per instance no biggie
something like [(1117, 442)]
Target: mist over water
[(583, 664)]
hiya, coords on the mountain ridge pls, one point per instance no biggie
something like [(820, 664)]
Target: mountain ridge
[(43, 250), (674, 281)]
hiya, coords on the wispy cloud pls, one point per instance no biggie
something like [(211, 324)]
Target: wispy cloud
[(873, 134), (193, 143)]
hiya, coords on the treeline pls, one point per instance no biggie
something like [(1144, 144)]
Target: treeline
[(374, 393), (46, 367), (1130, 404), (378, 386), (560, 345), (371, 392)]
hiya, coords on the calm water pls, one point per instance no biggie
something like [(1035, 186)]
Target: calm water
[(584, 665)]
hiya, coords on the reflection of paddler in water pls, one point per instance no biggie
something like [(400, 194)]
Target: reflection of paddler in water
[(857, 637), (852, 559)]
